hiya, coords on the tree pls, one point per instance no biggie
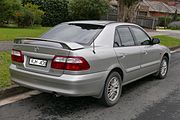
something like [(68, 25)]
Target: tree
[(175, 16), (24, 17), (7, 9), (87, 9), (37, 13), (127, 10), (56, 11), (28, 15)]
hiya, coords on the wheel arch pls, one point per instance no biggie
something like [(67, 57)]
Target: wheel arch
[(119, 70), (116, 69), (166, 55)]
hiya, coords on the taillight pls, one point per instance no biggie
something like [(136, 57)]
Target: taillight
[(70, 63), (16, 55)]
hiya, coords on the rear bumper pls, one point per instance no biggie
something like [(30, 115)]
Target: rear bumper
[(68, 85)]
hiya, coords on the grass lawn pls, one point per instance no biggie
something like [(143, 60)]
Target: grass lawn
[(5, 61), (168, 41), (12, 33)]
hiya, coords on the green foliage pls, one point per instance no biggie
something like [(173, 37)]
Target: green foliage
[(87, 9), (24, 18), (175, 16), (7, 9), (129, 3), (164, 21), (35, 2), (56, 11), (37, 13), (28, 15), (5, 60)]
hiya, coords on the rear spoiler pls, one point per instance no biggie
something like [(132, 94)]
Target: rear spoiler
[(65, 45)]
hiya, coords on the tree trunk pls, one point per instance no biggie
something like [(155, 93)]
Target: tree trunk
[(127, 14), (121, 11)]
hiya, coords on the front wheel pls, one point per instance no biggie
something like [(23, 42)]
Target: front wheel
[(163, 70), (112, 89)]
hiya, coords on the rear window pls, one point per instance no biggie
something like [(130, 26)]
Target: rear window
[(79, 33)]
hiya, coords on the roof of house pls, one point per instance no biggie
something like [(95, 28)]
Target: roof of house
[(157, 6)]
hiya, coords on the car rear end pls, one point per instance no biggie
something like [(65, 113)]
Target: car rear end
[(55, 67)]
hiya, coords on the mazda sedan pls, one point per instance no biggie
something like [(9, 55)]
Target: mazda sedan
[(88, 58)]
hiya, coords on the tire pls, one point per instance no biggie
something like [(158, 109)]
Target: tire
[(114, 92), (163, 69)]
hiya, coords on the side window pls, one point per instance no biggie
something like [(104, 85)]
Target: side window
[(125, 36), (140, 36), (117, 42)]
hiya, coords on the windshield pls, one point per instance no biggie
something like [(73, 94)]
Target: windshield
[(79, 33)]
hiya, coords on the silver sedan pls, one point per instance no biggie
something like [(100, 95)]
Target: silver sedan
[(88, 58)]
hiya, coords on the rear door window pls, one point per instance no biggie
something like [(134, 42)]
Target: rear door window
[(125, 36), (117, 42)]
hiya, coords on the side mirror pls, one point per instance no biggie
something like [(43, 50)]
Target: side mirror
[(155, 41)]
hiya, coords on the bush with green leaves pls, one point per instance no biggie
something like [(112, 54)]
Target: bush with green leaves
[(164, 21), (7, 10), (28, 15), (87, 9), (37, 13), (24, 17), (56, 11)]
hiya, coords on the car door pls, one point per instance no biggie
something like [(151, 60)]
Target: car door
[(150, 54), (128, 54)]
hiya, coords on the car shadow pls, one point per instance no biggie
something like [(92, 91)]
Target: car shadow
[(61, 106)]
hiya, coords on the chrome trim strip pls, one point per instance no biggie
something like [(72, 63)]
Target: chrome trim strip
[(150, 63), (133, 68)]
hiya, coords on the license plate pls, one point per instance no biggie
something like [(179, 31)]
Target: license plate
[(38, 62)]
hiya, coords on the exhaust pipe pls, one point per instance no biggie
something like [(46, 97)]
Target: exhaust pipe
[(56, 94)]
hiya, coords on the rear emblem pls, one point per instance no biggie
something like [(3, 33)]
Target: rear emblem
[(36, 49)]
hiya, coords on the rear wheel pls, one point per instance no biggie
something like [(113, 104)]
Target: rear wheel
[(112, 89), (163, 70)]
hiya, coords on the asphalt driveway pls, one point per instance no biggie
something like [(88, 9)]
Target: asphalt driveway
[(172, 33)]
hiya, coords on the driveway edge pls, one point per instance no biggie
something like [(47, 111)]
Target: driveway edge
[(12, 90)]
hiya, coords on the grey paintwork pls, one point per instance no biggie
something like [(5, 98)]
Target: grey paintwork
[(135, 62)]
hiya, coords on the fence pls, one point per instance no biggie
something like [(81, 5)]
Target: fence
[(147, 22)]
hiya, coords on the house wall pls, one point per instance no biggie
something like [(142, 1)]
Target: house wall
[(158, 14)]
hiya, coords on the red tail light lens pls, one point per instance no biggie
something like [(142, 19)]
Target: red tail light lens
[(17, 56), (70, 63)]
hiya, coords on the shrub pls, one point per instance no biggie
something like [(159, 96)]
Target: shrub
[(24, 18), (164, 21), (56, 11), (7, 9), (37, 13), (87, 9), (28, 15)]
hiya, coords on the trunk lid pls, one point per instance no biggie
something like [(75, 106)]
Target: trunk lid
[(37, 50)]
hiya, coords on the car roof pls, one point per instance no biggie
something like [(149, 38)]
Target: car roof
[(100, 22), (93, 22)]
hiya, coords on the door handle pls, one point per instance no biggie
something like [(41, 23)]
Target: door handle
[(121, 56), (145, 52)]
